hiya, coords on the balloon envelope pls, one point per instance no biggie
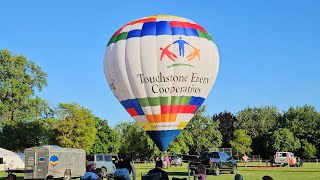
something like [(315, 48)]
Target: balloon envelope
[(161, 68)]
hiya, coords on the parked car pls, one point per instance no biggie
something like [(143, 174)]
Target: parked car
[(176, 160), (103, 161), (284, 158), (214, 163)]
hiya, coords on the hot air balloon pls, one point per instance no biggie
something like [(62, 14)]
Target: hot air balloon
[(161, 68)]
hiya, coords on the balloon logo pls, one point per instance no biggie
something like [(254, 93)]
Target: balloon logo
[(161, 68), (54, 160)]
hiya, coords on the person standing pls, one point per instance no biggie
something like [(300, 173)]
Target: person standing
[(245, 159)]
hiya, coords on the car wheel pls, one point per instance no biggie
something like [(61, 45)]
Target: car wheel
[(67, 174), (216, 171), (234, 170), (103, 172)]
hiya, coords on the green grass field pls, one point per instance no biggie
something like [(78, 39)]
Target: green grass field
[(254, 171)]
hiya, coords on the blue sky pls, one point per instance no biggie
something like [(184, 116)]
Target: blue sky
[(269, 50)]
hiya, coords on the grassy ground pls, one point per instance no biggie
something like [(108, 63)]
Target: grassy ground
[(254, 171)]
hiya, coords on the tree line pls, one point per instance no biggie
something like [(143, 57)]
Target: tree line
[(26, 120)]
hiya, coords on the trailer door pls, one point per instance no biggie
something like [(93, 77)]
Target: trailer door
[(42, 161), (29, 163)]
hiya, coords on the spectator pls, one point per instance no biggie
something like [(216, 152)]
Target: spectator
[(167, 161), (201, 169), (124, 168), (11, 177), (158, 169), (267, 178), (238, 177), (90, 175)]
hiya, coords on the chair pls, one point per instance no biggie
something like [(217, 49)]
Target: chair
[(155, 176)]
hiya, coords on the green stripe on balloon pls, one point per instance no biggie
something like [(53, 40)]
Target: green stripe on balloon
[(164, 101)]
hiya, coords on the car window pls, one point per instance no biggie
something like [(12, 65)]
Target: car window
[(213, 155), (284, 154), (107, 158), (90, 157), (204, 154), (224, 156), (99, 158)]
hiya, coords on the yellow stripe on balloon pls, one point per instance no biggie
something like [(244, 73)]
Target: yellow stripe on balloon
[(159, 126)]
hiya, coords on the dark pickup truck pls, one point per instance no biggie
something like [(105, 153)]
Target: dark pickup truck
[(214, 163)]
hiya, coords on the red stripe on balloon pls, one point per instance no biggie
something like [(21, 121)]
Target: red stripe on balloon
[(132, 112), (186, 25), (172, 109), (135, 22)]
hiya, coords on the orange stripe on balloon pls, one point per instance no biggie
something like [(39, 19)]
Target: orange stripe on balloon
[(157, 118)]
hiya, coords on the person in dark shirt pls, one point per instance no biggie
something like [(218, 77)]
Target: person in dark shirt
[(158, 169)]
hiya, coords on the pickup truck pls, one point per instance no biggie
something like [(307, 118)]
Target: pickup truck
[(215, 162)]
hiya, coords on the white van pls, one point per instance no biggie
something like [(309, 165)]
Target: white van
[(285, 158), (103, 161)]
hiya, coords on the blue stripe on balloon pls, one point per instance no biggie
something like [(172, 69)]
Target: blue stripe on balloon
[(178, 31), (133, 103), (134, 33), (148, 29), (163, 28), (126, 104), (191, 32), (137, 106), (163, 138)]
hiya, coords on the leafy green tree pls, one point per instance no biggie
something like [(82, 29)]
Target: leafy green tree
[(241, 141), (134, 141), (284, 140), (259, 123), (76, 127), (180, 145), (19, 78), (22, 135), (303, 122), (205, 133), (226, 126), (107, 140), (309, 150), (21, 112)]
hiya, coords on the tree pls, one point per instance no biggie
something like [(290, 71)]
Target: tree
[(107, 140), (180, 145), (259, 123), (226, 126), (135, 141), (21, 112), (284, 140), (309, 150), (241, 141), (303, 122), (19, 78), (205, 133), (76, 127)]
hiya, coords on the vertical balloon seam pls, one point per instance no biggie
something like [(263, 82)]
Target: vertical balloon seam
[(183, 95), (134, 93), (147, 99), (157, 52)]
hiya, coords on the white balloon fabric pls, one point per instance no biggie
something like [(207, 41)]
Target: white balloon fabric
[(161, 68)]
